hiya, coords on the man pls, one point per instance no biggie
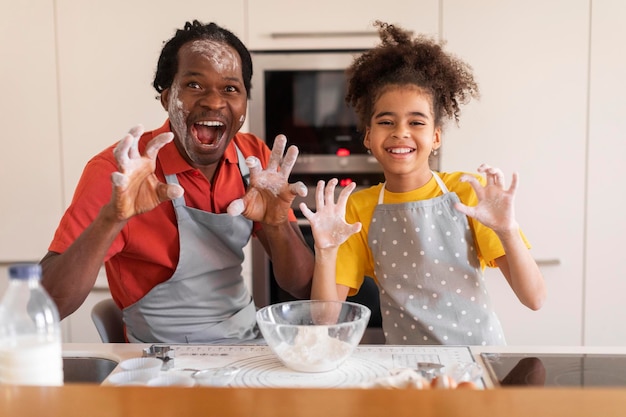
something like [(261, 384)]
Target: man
[(174, 267)]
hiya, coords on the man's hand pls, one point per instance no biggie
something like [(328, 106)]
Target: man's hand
[(136, 189), (328, 223), (270, 195), (495, 208)]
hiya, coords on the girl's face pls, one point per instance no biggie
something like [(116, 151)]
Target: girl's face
[(401, 135)]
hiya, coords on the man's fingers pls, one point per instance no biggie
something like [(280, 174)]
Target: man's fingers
[(289, 160), (299, 188), (169, 191), (236, 207), (119, 180), (155, 145), (136, 131), (121, 150), (277, 152), (254, 164)]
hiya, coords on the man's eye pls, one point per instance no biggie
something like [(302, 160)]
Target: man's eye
[(193, 85), (231, 89)]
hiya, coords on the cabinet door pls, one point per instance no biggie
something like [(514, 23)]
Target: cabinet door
[(530, 59), (606, 224), (328, 24), (29, 162), (108, 53), (79, 327)]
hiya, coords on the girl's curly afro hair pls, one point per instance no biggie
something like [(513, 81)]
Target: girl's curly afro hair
[(400, 60)]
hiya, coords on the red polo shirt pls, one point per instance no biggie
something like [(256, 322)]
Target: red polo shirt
[(145, 253)]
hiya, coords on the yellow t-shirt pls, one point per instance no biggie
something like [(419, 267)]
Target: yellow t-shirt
[(355, 260)]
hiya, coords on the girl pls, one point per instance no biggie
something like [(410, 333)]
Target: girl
[(424, 236)]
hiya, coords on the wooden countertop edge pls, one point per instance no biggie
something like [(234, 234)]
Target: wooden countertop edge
[(94, 401)]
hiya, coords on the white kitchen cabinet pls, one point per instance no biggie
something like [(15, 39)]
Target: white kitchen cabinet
[(108, 53), (30, 164), (531, 61), (331, 24), (605, 285)]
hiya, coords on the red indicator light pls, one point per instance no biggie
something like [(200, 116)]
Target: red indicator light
[(343, 152), (345, 181)]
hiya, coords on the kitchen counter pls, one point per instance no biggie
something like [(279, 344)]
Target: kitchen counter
[(138, 401)]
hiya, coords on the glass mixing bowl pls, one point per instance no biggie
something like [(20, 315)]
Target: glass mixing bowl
[(313, 335)]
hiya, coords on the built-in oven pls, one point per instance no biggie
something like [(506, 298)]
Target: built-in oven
[(301, 95)]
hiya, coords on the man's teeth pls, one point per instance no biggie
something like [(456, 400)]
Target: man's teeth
[(211, 123), (400, 150)]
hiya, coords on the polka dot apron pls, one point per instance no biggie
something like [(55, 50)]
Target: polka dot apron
[(432, 289)]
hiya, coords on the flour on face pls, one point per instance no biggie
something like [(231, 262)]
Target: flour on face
[(222, 57), (177, 113)]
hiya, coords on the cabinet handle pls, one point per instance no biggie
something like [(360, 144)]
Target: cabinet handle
[(9, 263), (548, 262), (292, 35)]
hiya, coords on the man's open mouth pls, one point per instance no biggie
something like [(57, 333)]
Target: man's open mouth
[(208, 132)]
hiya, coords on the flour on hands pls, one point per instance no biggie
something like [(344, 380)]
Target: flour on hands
[(269, 197), (136, 189)]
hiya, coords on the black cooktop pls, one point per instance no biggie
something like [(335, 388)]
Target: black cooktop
[(566, 370)]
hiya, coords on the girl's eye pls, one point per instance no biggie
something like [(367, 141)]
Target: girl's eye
[(384, 122)]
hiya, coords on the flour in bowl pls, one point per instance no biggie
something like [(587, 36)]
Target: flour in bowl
[(314, 350)]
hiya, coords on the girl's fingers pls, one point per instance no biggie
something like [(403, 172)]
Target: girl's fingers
[(329, 193), (345, 193), (306, 212), (319, 194)]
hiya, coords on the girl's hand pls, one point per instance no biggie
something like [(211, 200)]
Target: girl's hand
[(328, 223), (495, 208)]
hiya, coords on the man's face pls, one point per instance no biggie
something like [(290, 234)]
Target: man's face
[(207, 100)]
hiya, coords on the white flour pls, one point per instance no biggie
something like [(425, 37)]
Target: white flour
[(314, 350)]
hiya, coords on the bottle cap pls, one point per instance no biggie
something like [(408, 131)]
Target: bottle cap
[(21, 271)]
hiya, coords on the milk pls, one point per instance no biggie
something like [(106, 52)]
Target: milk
[(28, 360)]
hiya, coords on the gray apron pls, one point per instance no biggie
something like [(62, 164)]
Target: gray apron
[(205, 300), (432, 289)]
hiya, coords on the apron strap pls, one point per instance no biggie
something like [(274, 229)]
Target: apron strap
[(243, 168)]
